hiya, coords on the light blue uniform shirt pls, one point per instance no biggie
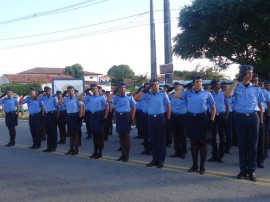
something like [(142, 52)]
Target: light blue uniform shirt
[(179, 105), (50, 103), (123, 103), (220, 101), (267, 99), (95, 102), (247, 98), (144, 105), (197, 102), (87, 106), (72, 104), (10, 104), (34, 106), (156, 102), (139, 105), (62, 107)]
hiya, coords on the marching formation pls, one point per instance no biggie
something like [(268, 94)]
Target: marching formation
[(239, 114)]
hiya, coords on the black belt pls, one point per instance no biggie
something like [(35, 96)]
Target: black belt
[(197, 114), (12, 112), (246, 114), (51, 112), (155, 115), (174, 114), (35, 114), (122, 113), (97, 112), (220, 113), (74, 113)]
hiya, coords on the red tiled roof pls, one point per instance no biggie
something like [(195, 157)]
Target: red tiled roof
[(32, 78), (104, 76), (91, 73), (48, 70), (43, 70)]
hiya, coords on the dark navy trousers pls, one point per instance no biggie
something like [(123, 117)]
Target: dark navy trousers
[(247, 130), (218, 126), (51, 129), (35, 128), (179, 133), (156, 129)]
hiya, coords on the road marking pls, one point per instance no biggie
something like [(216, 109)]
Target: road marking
[(228, 176)]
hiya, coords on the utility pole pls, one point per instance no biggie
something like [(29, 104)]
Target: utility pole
[(167, 39), (153, 42)]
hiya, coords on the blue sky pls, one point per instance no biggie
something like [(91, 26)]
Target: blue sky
[(98, 38)]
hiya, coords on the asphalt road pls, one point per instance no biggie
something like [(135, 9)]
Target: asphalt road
[(32, 175)]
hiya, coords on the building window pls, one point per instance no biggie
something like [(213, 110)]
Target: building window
[(91, 77)]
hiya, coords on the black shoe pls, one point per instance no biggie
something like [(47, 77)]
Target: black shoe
[(98, 156), (93, 155), (193, 169), (75, 152), (119, 149), (151, 164), (182, 156), (145, 152), (121, 158), (10, 144), (47, 150), (242, 175), (220, 160), (228, 151), (69, 152), (260, 165), (175, 155), (59, 142), (35, 147), (125, 159), (212, 159), (202, 171), (252, 176), (31, 147), (160, 165)]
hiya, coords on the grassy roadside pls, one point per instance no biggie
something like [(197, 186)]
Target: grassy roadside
[(26, 115)]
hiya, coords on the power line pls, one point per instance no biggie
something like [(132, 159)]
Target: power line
[(81, 27), (75, 28), (78, 36), (54, 11)]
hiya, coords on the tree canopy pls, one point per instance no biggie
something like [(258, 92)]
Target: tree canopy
[(20, 88), (75, 70), (205, 73), (226, 32), (118, 73)]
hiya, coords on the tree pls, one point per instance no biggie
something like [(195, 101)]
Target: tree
[(205, 73), (118, 73), (20, 88), (226, 32), (75, 70), (140, 79)]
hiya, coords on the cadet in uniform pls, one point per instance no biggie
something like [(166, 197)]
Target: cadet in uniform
[(61, 119), (50, 108), (35, 107), (74, 118), (156, 119), (248, 99), (87, 107), (197, 121), (222, 112), (179, 110), (11, 108), (98, 114), (125, 110), (228, 121)]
